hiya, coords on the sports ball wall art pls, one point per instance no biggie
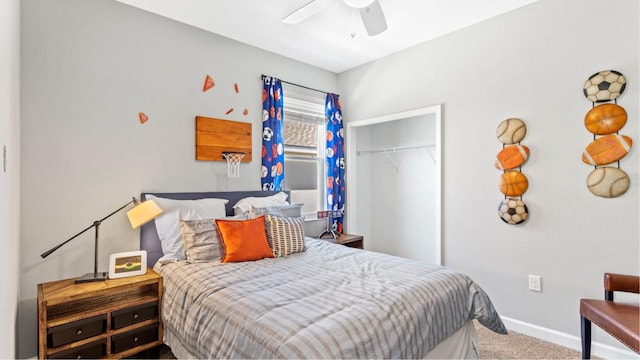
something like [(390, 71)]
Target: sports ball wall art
[(209, 84), (513, 183), (605, 120)]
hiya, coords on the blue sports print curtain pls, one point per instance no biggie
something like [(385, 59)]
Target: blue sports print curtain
[(272, 135), (335, 159)]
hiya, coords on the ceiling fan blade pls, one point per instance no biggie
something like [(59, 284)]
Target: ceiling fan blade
[(373, 19), (304, 12)]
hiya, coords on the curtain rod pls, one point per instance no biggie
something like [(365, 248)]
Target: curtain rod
[(298, 85)]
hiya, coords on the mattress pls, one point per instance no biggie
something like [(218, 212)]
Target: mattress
[(329, 301), (463, 344)]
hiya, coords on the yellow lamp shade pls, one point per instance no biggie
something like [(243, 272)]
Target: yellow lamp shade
[(143, 212)]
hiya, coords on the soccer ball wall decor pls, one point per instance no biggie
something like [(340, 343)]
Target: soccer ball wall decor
[(604, 86), (605, 121), (513, 183), (513, 211)]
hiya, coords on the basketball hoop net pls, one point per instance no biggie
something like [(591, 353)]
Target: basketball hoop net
[(233, 163)]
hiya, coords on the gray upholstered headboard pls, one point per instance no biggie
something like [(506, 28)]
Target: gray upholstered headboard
[(149, 240)]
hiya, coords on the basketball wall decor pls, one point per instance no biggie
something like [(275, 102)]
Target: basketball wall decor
[(605, 121), (513, 183)]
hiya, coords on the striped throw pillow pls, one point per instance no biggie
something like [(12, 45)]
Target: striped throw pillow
[(285, 234)]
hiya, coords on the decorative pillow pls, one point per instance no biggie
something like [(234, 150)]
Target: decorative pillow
[(293, 210), (168, 223), (243, 240), (201, 240), (285, 234), (244, 205)]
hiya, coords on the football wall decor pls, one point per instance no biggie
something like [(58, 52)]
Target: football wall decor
[(513, 183), (608, 146)]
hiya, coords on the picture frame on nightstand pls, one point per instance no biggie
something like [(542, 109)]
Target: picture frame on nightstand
[(127, 264)]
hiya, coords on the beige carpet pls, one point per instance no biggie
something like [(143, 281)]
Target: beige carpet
[(519, 346), (494, 346)]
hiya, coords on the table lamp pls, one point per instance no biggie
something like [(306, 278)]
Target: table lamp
[(142, 213)]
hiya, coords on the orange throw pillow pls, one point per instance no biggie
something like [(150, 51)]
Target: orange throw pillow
[(244, 240)]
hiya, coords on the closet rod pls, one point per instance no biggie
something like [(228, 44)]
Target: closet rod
[(298, 85), (394, 149)]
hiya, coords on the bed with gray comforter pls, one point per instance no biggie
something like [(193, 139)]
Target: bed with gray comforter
[(329, 301)]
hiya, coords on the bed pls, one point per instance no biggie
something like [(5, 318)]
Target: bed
[(327, 301)]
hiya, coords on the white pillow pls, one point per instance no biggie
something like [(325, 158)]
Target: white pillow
[(244, 205), (168, 223)]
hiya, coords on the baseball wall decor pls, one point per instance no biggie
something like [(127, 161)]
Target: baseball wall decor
[(605, 121), (608, 182), (511, 131), (513, 183)]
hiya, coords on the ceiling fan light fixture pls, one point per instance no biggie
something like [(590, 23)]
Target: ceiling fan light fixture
[(358, 4), (304, 12)]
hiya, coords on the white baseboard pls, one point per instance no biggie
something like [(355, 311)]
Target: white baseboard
[(569, 341)]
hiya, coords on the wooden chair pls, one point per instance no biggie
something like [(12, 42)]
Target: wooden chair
[(621, 320)]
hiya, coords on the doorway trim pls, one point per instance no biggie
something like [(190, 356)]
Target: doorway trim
[(351, 161)]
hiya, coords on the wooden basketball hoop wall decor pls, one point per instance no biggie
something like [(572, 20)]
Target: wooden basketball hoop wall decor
[(605, 121), (215, 136), (513, 183)]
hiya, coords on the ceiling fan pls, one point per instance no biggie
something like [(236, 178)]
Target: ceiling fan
[(370, 12)]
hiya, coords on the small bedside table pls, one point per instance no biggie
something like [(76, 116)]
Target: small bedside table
[(114, 318), (354, 241)]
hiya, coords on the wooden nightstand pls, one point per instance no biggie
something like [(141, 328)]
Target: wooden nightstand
[(354, 241), (114, 318)]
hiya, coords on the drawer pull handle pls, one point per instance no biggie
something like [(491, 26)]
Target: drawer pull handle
[(135, 316), (79, 331), (135, 339)]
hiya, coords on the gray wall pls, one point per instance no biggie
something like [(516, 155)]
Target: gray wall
[(9, 179), (530, 63), (88, 68)]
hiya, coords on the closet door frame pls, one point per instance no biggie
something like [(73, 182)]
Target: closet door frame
[(351, 165)]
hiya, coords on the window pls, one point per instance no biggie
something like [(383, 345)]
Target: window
[(304, 143)]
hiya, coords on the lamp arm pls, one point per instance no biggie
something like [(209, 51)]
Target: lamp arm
[(122, 207), (95, 224), (47, 253)]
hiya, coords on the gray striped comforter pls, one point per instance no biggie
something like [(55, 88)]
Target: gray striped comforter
[(327, 302)]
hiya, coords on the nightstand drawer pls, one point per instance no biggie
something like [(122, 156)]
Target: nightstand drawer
[(134, 338), (132, 315), (94, 350), (77, 330)]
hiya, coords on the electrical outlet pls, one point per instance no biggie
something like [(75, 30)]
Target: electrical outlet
[(535, 283)]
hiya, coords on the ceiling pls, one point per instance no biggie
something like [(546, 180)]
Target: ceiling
[(335, 38)]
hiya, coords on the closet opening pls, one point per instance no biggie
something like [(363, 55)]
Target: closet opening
[(394, 167)]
